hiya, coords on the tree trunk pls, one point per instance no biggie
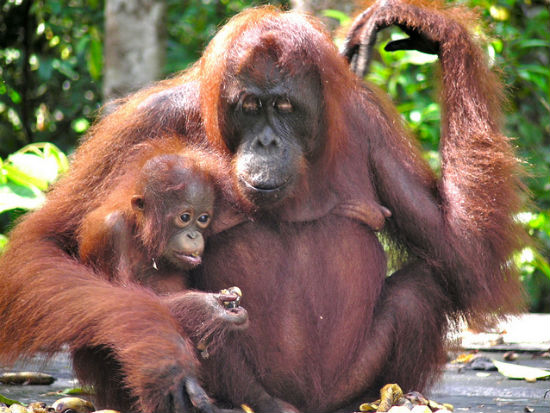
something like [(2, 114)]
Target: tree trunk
[(316, 7), (134, 45)]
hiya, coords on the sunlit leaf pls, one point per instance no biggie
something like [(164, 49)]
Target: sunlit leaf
[(497, 45), (54, 41), (20, 177), (38, 165), (41, 171), (14, 196), (418, 58), (516, 371), (80, 125), (51, 150), (499, 13), (3, 243)]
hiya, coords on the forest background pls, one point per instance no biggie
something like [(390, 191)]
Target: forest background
[(55, 71)]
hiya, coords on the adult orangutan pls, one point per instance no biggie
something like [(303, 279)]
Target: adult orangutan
[(326, 162)]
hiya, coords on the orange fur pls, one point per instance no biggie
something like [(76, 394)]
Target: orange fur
[(326, 326)]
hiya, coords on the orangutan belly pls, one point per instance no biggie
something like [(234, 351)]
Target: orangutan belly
[(310, 290)]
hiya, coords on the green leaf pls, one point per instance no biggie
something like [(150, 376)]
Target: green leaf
[(516, 371), (538, 221), (342, 17), (95, 54), (533, 43), (542, 264), (37, 164), (9, 402), (539, 69), (14, 96), (82, 44), (85, 390), (22, 178), (52, 151), (65, 69), (3, 243), (14, 196), (540, 81), (45, 69), (497, 45), (80, 125), (418, 58), (499, 13), (3, 173)]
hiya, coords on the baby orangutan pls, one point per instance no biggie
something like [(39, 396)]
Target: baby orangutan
[(151, 230)]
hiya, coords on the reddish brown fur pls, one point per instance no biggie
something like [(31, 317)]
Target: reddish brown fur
[(95, 236), (326, 326), (480, 187), (123, 251)]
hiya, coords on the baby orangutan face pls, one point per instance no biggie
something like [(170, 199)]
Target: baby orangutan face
[(186, 242), (176, 207)]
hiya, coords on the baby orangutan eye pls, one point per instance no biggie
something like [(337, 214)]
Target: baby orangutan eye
[(203, 220), (183, 219)]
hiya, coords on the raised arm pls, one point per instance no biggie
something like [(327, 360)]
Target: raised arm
[(464, 221)]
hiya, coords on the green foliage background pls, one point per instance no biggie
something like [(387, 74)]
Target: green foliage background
[(51, 71)]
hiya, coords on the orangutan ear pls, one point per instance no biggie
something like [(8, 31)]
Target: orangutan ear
[(137, 203)]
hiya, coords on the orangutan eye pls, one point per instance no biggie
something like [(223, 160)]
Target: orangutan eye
[(183, 219), (204, 220), (283, 105), (251, 104)]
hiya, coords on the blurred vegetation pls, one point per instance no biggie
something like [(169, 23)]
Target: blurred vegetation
[(50, 82)]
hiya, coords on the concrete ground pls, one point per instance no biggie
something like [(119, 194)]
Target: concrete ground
[(488, 391), (468, 390)]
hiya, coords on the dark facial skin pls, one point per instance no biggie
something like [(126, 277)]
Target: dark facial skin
[(277, 124), (186, 222)]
